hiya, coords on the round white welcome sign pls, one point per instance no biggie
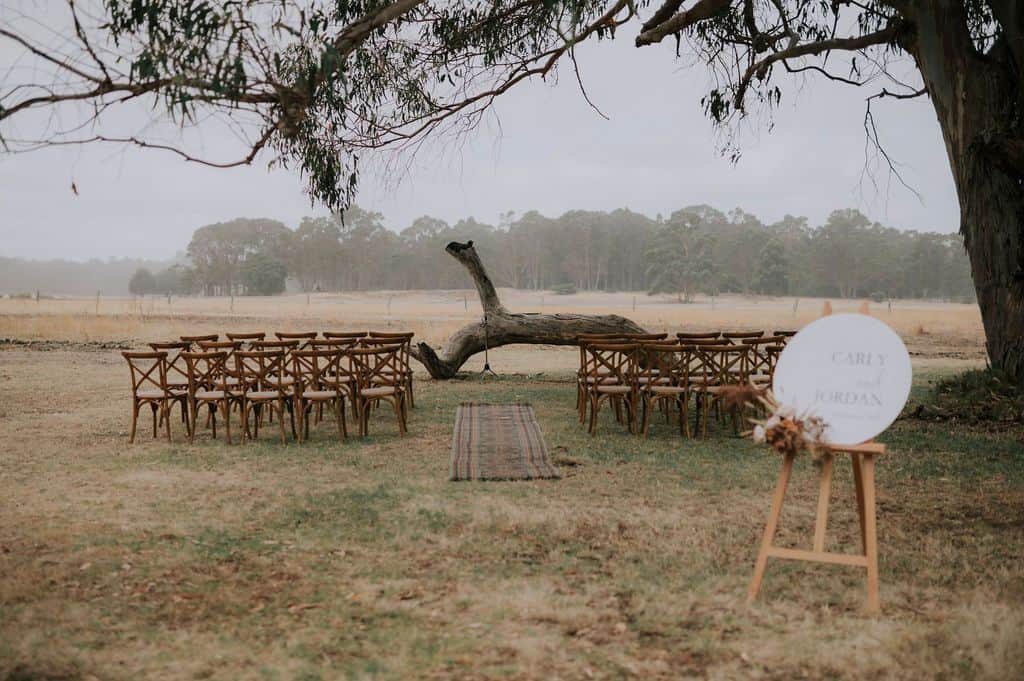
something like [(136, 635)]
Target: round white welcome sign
[(851, 370)]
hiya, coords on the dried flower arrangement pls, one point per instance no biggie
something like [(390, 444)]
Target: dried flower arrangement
[(784, 430)]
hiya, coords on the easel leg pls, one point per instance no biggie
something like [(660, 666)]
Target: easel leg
[(770, 527), (870, 531), (824, 491), (858, 484)]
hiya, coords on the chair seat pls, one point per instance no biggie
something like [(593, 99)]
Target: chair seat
[(319, 394), (613, 389), (607, 379), (379, 391), (759, 378), (159, 394), (214, 394), (650, 380), (716, 389), (667, 389), (287, 380), (263, 395)]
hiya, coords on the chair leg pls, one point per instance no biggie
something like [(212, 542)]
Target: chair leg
[(135, 418), (341, 415), (154, 408), (246, 435), (227, 421), (280, 421), (193, 421), (398, 413), (595, 404), (338, 416), (646, 408), (166, 415)]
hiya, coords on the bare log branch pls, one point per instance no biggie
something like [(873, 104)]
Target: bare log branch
[(506, 328)]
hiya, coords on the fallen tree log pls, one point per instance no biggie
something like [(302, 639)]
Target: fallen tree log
[(506, 328)]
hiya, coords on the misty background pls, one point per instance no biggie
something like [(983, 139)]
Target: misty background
[(544, 149)]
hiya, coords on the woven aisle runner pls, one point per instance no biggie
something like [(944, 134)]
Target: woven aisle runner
[(498, 442)]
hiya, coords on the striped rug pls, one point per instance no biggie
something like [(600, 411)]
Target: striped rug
[(498, 442)]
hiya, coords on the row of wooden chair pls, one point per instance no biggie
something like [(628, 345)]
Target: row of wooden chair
[(257, 377), (635, 372)]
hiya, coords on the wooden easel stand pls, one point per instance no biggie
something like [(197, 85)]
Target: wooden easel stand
[(862, 458)]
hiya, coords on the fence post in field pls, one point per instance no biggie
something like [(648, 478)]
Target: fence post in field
[(796, 303)]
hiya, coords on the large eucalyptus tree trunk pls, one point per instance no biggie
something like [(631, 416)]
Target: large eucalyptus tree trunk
[(979, 101), (504, 327)]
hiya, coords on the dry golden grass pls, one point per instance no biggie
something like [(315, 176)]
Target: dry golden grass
[(358, 559), (928, 328)]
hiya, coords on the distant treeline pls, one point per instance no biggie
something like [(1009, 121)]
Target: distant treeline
[(697, 249), (63, 277)]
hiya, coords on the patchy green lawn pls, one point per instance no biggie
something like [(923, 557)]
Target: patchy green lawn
[(359, 560)]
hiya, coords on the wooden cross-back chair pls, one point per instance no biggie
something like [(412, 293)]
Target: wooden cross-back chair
[(317, 372), (208, 385), (177, 372), (638, 337), (761, 362), (207, 338), (664, 379), (261, 373), (230, 347), (610, 374), (340, 376), (405, 339), (582, 396), (149, 386), (787, 334), (378, 371), (725, 365), (734, 337), (247, 338), (344, 335), (288, 346), (699, 341), (301, 336), (702, 335)]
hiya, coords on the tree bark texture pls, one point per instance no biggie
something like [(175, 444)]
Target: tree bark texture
[(506, 328), (979, 101)]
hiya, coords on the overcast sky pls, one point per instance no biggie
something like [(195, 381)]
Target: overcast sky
[(544, 149)]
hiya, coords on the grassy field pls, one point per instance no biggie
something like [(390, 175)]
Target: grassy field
[(929, 328), (359, 560)]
